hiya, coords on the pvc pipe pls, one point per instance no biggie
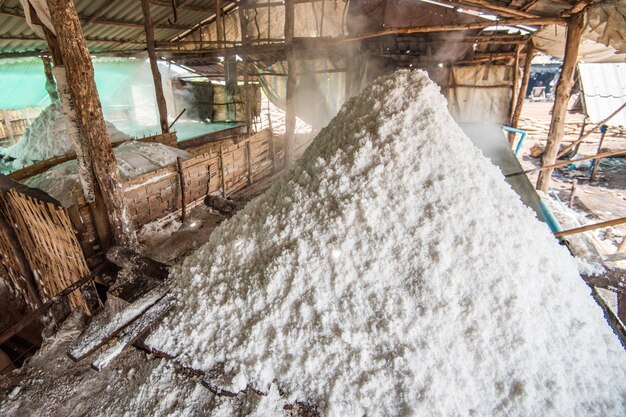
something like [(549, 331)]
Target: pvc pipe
[(521, 140)]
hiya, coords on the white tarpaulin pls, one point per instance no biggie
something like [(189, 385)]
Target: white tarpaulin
[(603, 38), (604, 91), (480, 93)]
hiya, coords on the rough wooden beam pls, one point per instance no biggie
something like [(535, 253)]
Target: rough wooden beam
[(563, 91), (578, 7), (93, 338), (182, 5), (131, 333), (541, 21), (154, 66), (588, 227), (530, 5), (503, 10), (80, 76), (136, 24), (488, 7), (219, 24)]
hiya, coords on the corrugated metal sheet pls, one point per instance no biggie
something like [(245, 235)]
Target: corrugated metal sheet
[(604, 90), (16, 35)]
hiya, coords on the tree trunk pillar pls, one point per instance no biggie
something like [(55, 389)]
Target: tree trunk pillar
[(563, 91), (95, 137)]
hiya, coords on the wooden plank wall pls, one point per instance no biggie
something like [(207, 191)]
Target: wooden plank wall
[(220, 167), (48, 240)]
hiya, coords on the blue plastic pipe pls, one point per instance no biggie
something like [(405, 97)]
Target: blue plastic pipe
[(521, 139)]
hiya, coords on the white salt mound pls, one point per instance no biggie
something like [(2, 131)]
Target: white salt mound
[(394, 272), (133, 159), (47, 137)]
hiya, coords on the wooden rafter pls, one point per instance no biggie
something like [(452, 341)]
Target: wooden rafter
[(448, 28), (182, 5)]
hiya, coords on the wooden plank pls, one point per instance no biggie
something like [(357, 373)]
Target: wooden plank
[(135, 330), (92, 339)]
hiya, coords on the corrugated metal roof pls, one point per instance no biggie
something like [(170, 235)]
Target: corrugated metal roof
[(119, 28), (604, 90)]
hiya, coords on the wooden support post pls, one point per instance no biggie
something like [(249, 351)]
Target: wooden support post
[(521, 95), (51, 85), (8, 127), (95, 137), (596, 162), (154, 66), (247, 96), (563, 91), (222, 172), (219, 24), (514, 91), (181, 181), (249, 156), (572, 194), (290, 109)]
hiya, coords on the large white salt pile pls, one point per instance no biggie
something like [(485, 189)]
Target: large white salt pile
[(48, 137), (393, 272)]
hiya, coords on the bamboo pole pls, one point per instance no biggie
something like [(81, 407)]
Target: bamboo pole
[(563, 91), (154, 66), (589, 132), (514, 91), (183, 191), (588, 227), (218, 23), (521, 95), (568, 162)]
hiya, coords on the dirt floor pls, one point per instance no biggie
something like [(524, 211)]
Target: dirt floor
[(605, 198)]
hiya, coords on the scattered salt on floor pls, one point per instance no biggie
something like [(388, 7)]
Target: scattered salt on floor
[(393, 272)]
